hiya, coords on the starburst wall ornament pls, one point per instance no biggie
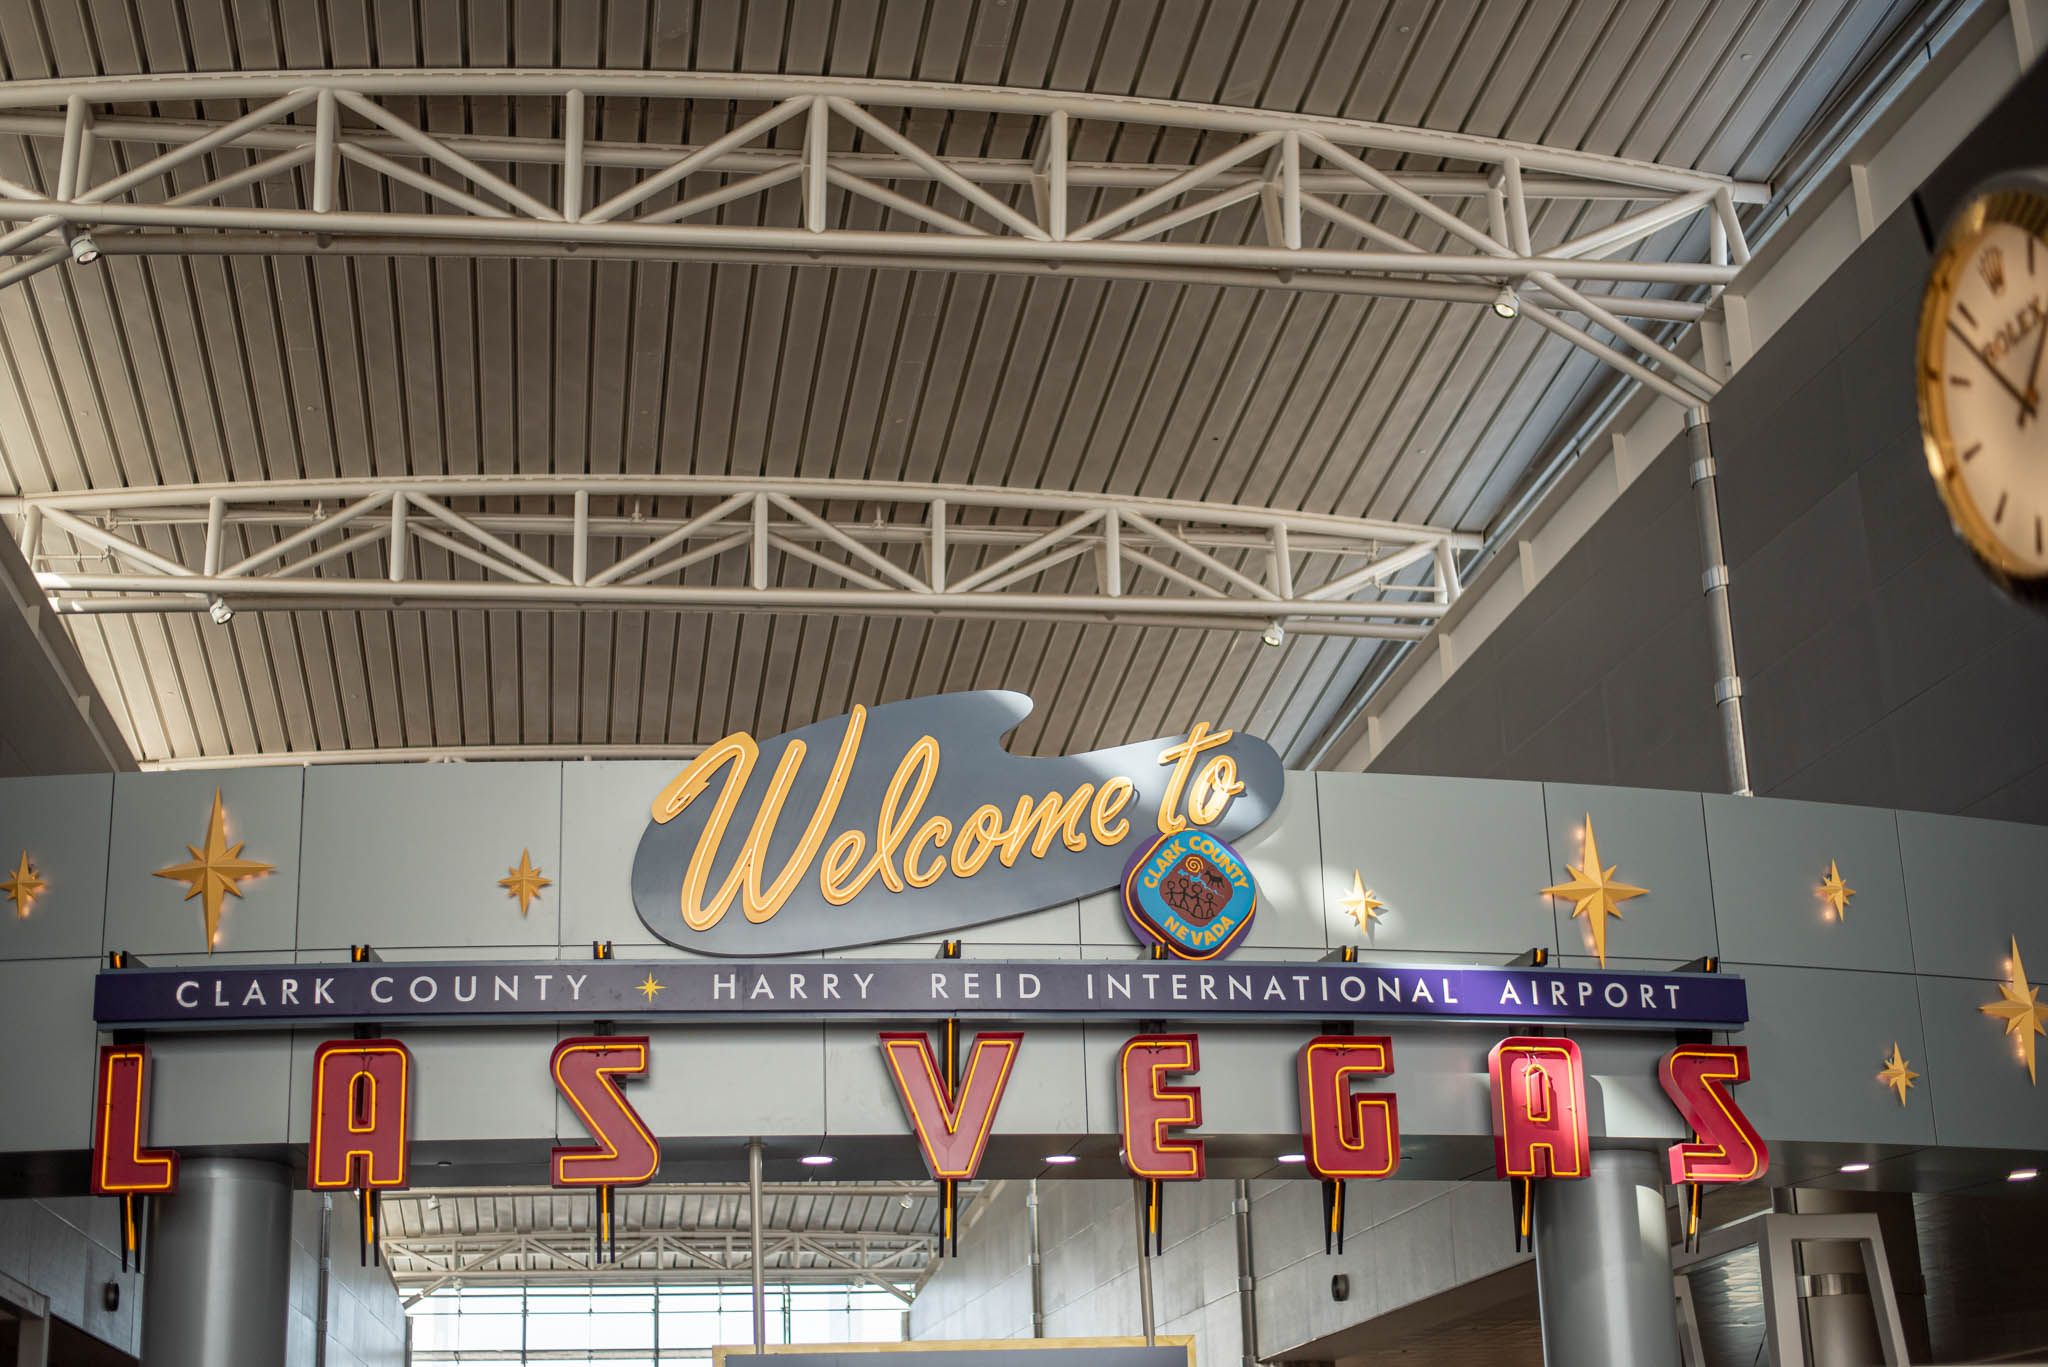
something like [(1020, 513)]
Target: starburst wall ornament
[(1594, 893), (215, 871)]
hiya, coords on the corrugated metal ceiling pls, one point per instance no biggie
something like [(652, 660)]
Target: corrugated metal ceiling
[(167, 370)]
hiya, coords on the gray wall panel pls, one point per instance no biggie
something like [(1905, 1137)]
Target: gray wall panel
[(604, 809), (159, 818), (1409, 839), (49, 1087), (1971, 886), (1816, 1042), (383, 841), (61, 824), (1982, 1095), (1769, 859), (1651, 839), (229, 1087)]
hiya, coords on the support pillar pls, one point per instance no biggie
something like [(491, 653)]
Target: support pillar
[(219, 1281), (1603, 1266)]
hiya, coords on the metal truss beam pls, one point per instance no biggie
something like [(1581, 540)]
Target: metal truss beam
[(320, 159), (423, 1264), (732, 543)]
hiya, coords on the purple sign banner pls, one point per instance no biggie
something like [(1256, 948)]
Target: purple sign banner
[(853, 989)]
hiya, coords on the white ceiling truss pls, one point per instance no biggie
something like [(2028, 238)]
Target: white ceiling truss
[(835, 138), (871, 1233), (710, 543)]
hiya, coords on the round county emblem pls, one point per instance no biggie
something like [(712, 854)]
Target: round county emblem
[(1191, 893)]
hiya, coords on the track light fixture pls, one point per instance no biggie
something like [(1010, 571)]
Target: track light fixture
[(220, 612), (1507, 304), (1274, 634), (84, 250)]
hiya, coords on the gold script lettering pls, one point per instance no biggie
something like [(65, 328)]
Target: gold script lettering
[(737, 753)]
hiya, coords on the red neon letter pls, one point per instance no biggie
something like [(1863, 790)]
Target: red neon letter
[(952, 1130), (1344, 1133), (590, 1072), (1539, 1108), (120, 1164), (361, 1109), (1151, 1108), (1727, 1149)]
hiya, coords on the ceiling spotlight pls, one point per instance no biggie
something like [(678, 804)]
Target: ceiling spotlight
[(907, 1202), (2022, 1174), (1855, 1167), (84, 250), (1507, 304), (1274, 634), (1292, 1158), (816, 1160), (1061, 1158), (220, 612)]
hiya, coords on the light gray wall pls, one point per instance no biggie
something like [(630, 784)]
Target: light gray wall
[(365, 1321), (1405, 1242), (68, 1248), (52, 720)]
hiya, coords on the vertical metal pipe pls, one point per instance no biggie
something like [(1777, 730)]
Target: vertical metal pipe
[(320, 1291), (1247, 1286), (1714, 583), (572, 156), (1144, 1264), (754, 1243), (1037, 1263)]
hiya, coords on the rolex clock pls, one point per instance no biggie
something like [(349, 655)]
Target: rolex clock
[(1983, 392)]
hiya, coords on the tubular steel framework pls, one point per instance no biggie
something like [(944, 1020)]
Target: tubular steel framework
[(735, 543), (319, 160), (482, 1251)]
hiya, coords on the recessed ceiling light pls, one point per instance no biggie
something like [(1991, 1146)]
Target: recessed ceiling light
[(1292, 1158), (2022, 1174), (1061, 1158), (816, 1160), (1855, 1167)]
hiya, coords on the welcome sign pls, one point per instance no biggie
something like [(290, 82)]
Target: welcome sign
[(911, 820)]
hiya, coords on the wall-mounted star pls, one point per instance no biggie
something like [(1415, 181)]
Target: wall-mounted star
[(1835, 892), (1359, 904), (2019, 1006), (1594, 893), (522, 883), (650, 987), (216, 871), (24, 887), (1896, 1074)]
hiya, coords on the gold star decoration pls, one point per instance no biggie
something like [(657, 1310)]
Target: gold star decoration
[(1835, 892), (24, 887), (2019, 1006), (1359, 904), (215, 872), (1896, 1074), (1594, 893), (523, 882), (650, 987)]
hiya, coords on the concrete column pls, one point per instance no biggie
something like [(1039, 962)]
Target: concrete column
[(1603, 1266), (219, 1276)]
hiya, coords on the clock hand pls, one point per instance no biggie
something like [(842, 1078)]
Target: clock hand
[(2034, 370), (2026, 404)]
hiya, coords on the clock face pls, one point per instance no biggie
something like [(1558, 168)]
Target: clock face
[(1984, 379)]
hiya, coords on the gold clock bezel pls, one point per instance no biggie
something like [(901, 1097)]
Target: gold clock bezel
[(2024, 206)]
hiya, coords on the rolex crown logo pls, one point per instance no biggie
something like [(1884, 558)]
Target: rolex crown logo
[(1991, 265)]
